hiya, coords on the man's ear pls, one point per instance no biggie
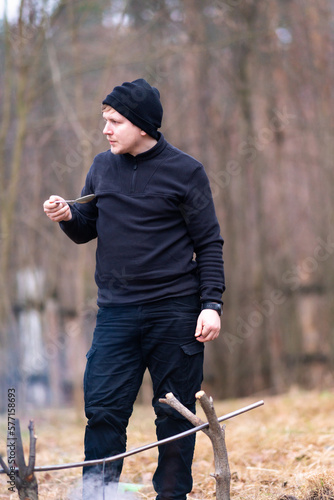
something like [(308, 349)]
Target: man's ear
[(143, 133)]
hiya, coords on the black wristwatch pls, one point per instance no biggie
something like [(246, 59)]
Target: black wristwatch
[(212, 305)]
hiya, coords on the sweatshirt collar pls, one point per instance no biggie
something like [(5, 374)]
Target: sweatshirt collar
[(152, 152)]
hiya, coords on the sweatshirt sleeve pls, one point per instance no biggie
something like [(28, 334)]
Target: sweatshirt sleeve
[(199, 213), (82, 227)]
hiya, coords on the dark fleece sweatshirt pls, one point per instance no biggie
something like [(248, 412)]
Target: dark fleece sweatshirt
[(156, 228)]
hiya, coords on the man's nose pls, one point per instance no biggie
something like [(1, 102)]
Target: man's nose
[(108, 129)]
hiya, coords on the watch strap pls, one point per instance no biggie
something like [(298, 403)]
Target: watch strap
[(212, 305)]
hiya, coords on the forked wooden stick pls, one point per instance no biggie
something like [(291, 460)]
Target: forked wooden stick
[(23, 478), (215, 432)]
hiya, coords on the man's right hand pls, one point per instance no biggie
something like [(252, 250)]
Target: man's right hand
[(57, 212)]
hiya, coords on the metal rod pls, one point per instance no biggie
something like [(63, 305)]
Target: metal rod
[(81, 199), (120, 456)]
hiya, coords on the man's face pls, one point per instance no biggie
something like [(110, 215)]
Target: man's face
[(123, 136)]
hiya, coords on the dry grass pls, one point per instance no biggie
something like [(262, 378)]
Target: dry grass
[(281, 450)]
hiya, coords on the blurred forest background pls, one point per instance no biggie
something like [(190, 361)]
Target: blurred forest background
[(247, 88)]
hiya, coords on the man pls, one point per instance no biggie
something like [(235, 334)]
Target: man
[(160, 278)]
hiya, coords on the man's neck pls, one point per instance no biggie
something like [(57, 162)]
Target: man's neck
[(146, 145)]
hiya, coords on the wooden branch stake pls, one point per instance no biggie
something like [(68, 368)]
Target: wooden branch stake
[(215, 432), (217, 436), (23, 479)]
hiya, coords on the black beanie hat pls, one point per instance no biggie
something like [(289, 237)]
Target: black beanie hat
[(139, 103)]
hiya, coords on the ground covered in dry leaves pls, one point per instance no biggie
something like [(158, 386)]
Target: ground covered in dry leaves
[(281, 450)]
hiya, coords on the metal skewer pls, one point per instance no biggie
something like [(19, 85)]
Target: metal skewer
[(81, 199), (147, 446)]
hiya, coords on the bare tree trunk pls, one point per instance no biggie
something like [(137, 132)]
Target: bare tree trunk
[(194, 78), (74, 113), (22, 56)]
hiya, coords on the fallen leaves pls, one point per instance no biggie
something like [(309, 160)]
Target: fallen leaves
[(283, 449)]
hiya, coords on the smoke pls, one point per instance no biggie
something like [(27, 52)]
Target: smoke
[(97, 491)]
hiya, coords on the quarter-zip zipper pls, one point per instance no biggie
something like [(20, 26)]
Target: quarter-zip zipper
[(134, 175)]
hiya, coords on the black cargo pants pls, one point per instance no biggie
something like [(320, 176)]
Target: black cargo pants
[(127, 340)]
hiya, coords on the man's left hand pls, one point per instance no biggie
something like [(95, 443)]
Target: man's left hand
[(208, 325)]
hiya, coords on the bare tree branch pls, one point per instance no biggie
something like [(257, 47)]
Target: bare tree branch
[(216, 434), (25, 480)]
